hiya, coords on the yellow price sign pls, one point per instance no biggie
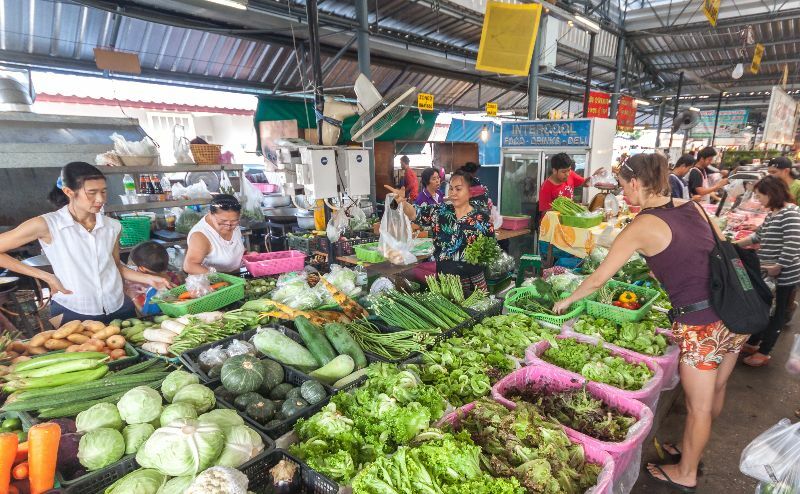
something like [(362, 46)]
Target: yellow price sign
[(757, 54), (711, 11), (425, 101), (491, 109)]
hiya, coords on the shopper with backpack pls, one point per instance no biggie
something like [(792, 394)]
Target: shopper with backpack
[(677, 241)]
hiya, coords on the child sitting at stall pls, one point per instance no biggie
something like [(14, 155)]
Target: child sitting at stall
[(152, 258)]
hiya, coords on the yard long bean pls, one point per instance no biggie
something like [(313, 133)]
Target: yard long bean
[(393, 346)]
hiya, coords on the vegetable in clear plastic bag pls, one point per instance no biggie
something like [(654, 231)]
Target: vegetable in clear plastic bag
[(774, 457), (337, 225), (250, 198), (213, 357), (358, 220), (199, 285), (187, 218), (240, 347), (396, 240), (500, 266), (180, 145), (605, 179)]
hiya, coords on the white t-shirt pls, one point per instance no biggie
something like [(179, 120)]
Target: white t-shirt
[(225, 255)]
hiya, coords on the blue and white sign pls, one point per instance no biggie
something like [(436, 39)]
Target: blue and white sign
[(324, 161), (547, 133)]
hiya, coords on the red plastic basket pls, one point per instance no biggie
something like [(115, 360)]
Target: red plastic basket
[(516, 222), (265, 188), (274, 262)]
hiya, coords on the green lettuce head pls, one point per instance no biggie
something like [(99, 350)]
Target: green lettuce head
[(184, 447), (224, 418), (100, 447), (241, 445), (140, 405), (101, 415)]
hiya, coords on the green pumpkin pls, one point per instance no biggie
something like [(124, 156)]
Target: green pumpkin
[(261, 411), (312, 391), (214, 372), (224, 394), (290, 408), (273, 376), (273, 424), (242, 401), (294, 394), (280, 391), (242, 374)]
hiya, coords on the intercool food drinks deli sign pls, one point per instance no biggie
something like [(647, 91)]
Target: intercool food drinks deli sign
[(547, 133)]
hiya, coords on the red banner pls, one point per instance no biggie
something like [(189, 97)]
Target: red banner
[(626, 114), (599, 103)]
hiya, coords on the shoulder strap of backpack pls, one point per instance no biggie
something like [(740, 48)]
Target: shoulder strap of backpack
[(713, 230)]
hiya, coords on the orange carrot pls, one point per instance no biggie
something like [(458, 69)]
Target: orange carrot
[(8, 451), (22, 453), (20, 471), (185, 296), (221, 284), (43, 442)]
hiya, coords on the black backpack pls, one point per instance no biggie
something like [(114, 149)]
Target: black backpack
[(739, 294)]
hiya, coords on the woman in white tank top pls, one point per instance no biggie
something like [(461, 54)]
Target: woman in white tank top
[(82, 246), (216, 241)]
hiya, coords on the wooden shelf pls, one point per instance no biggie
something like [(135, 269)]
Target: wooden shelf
[(124, 208), (121, 170)]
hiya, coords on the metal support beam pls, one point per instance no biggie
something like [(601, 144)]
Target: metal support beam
[(589, 67), (533, 74), (316, 64), (716, 119), (618, 76), (332, 61), (675, 111), (661, 108), (362, 16)]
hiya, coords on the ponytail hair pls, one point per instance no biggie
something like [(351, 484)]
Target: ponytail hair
[(73, 176)]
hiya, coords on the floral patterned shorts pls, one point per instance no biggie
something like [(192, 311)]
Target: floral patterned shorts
[(703, 347)]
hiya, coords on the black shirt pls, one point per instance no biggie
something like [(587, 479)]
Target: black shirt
[(696, 178)]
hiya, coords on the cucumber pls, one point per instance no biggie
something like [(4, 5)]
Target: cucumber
[(280, 347), (160, 319), (315, 341), (345, 344), (341, 366)]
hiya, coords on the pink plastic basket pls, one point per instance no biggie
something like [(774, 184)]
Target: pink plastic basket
[(265, 188), (593, 453), (516, 222), (626, 453), (647, 395), (279, 262)]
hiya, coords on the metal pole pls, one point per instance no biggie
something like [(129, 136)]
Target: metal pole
[(675, 111), (716, 119), (362, 16), (533, 73), (618, 76), (661, 108), (589, 67), (316, 63)]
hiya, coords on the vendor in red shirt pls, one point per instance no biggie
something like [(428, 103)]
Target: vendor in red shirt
[(410, 179), (561, 182)]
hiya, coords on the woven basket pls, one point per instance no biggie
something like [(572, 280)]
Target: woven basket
[(206, 154)]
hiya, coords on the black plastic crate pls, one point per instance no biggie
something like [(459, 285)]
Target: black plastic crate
[(346, 246), (303, 244), (261, 479)]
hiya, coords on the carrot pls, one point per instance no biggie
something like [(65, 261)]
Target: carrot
[(8, 451), (43, 442), (185, 296), (221, 284), (20, 471), (22, 453)]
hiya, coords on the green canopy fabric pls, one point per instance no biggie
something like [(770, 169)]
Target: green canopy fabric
[(408, 128)]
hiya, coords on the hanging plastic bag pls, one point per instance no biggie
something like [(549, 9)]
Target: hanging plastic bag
[(793, 364), (396, 240), (250, 198), (180, 145), (497, 218), (198, 190), (337, 225), (124, 147), (605, 179), (358, 220), (225, 185), (774, 456)]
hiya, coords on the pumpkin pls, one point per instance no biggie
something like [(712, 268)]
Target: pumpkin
[(242, 374), (242, 401), (274, 375), (261, 411), (273, 424), (214, 372), (312, 391), (294, 394), (224, 394), (280, 391), (290, 408)]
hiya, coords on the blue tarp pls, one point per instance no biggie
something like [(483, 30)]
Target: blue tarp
[(470, 131)]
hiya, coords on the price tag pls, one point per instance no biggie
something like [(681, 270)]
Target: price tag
[(491, 109), (711, 11), (757, 54), (425, 101)]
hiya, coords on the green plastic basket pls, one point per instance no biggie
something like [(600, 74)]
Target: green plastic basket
[(524, 292), (366, 254), (135, 230), (618, 314), (213, 301), (581, 221)]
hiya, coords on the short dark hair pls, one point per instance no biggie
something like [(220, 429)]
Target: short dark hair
[(685, 160), (470, 167), (427, 175), (776, 190), (405, 159), (561, 161), (706, 152), (652, 170), (73, 176), (466, 176), (225, 202), (151, 255)]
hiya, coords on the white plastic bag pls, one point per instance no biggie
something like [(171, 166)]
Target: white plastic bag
[(793, 364), (124, 147), (198, 190), (225, 185), (396, 240), (604, 179), (180, 145), (199, 284), (774, 456), (337, 225), (250, 198), (497, 218), (358, 220)]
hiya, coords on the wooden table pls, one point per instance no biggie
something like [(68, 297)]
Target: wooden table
[(506, 234), (384, 268)]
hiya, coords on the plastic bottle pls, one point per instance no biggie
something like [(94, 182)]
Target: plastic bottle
[(129, 184), (361, 275)]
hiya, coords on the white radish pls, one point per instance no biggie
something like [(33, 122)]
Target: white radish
[(209, 317), (156, 347), (159, 335), (173, 326)]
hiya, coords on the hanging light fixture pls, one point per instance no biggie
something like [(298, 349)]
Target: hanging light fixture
[(738, 71), (485, 133)]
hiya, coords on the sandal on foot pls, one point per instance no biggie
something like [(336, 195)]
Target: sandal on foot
[(757, 360), (668, 481), (676, 457), (748, 349)]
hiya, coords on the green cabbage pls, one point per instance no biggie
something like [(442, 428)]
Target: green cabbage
[(140, 405), (177, 485), (241, 445), (100, 447), (177, 411), (142, 481), (135, 435), (201, 397), (184, 447), (99, 416), (224, 418), (175, 381)]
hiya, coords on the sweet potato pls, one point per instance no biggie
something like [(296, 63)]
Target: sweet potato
[(21, 358), (105, 333), (37, 350), (18, 346), (77, 338), (67, 329), (73, 348), (93, 326), (87, 333), (40, 338), (56, 344)]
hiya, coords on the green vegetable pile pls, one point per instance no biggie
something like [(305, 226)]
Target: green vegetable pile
[(444, 464), (464, 368), (597, 364), (420, 311), (484, 250), (198, 332), (578, 410), (358, 427), (259, 287), (637, 336), (542, 301), (568, 207), (530, 447), (658, 318), (449, 286)]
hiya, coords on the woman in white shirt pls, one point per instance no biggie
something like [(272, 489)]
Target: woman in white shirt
[(82, 246), (216, 241)]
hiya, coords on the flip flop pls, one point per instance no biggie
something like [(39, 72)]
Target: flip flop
[(756, 361), (748, 350), (676, 457), (668, 481)]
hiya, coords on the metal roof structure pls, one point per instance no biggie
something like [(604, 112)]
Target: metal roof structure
[(431, 44)]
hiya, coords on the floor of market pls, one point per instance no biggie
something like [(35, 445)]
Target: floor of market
[(757, 399)]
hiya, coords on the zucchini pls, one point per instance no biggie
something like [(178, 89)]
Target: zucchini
[(280, 347), (345, 344), (355, 376), (315, 341), (341, 366)]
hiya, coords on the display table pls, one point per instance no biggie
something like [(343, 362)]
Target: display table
[(501, 234), (577, 242)]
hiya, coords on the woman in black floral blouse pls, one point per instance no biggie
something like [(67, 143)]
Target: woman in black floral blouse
[(455, 222)]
